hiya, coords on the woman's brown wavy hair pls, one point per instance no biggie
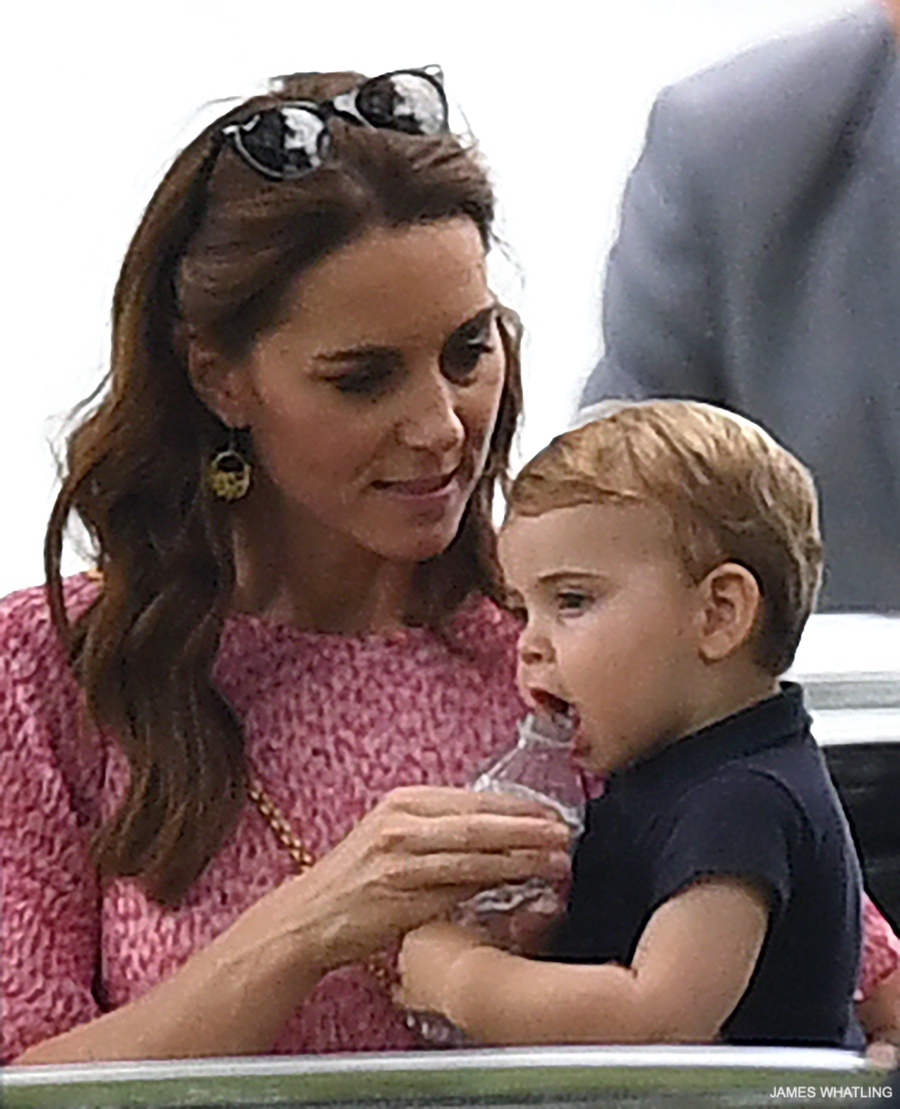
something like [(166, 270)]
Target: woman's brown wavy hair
[(213, 257)]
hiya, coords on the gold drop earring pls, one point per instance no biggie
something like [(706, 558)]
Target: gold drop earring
[(228, 473)]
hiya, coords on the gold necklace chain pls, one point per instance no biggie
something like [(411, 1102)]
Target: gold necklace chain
[(275, 818), (380, 966)]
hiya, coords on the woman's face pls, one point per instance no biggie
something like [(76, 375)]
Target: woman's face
[(371, 404)]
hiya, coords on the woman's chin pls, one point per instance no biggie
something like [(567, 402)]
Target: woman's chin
[(427, 548), (422, 543)]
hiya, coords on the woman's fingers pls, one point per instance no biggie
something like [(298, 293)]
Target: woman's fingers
[(475, 832), (426, 838), (447, 800), (468, 873), (420, 852)]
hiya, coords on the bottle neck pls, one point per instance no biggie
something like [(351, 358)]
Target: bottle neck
[(530, 740), (539, 732)]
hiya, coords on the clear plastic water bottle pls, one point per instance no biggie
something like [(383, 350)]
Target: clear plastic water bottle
[(538, 768)]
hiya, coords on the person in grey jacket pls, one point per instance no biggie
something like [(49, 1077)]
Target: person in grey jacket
[(758, 266)]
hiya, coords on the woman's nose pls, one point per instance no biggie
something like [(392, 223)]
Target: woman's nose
[(431, 420)]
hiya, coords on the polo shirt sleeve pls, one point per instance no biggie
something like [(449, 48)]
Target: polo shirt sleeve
[(744, 825)]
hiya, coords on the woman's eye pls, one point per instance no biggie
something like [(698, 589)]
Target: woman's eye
[(366, 381), (460, 359)]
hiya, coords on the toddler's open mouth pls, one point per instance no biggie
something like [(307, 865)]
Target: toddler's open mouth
[(556, 707), (564, 714)]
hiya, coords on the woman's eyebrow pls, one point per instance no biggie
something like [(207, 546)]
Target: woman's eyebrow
[(364, 353), (369, 351)]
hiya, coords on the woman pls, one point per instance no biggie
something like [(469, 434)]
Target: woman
[(288, 482)]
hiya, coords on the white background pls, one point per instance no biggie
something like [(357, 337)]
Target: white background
[(98, 95)]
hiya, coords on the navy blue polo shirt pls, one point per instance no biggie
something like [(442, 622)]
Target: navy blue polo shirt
[(748, 796)]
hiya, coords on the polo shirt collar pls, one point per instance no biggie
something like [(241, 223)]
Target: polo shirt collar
[(769, 723)]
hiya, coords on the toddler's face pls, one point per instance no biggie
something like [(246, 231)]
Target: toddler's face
[(612, 626)]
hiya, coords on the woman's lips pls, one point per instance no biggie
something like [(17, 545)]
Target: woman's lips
[(433, 488)]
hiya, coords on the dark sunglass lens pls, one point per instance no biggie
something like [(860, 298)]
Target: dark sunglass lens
[(407, 102), (284, 142)]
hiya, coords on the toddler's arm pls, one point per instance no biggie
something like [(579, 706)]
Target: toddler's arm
[(691, 967)]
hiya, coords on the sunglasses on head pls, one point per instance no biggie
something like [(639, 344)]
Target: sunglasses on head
[(291, 139)]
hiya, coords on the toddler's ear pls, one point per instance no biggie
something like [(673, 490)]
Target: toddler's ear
[(730, 604)]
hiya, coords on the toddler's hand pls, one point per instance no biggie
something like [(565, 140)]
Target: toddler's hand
[(426, 963), (883, 1055)]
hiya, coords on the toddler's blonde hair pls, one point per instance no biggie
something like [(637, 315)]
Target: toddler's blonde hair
[(733, 495)]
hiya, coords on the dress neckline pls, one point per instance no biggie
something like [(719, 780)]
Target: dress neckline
[(283, 629)]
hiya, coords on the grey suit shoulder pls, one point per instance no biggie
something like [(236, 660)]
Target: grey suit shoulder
[(767, 118), (824, 66), (757, 265)]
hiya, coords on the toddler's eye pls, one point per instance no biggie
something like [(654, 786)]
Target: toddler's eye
[(572, 600)]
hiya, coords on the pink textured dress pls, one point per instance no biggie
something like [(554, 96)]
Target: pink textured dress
[(333, 723)]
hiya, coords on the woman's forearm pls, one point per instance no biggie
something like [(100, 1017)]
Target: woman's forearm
[(231, 998), (400, 867)]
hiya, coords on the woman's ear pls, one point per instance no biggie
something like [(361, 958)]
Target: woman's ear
[(222, 385), (731, 601)]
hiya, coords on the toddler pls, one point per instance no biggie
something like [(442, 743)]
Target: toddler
[(665, 558)]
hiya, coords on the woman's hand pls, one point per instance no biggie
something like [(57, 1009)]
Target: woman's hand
[(410, 860)]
